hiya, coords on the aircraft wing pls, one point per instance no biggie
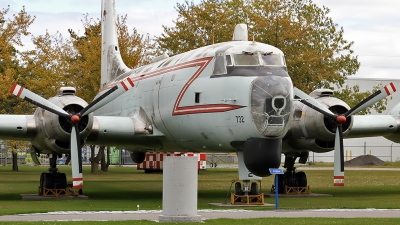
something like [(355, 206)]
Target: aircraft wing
[(312, 131), (107, 130), (17, 127), (374, 125), (122, 131)]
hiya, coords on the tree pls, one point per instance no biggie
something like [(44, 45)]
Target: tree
[(209, 22), (95, 159), (316, 52), (85, 64), (353, 96), (47, 66), (105, 160), (11, 70)]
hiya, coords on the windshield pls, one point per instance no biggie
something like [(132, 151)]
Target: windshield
[(257, 58), (247, 59), (272, 59)]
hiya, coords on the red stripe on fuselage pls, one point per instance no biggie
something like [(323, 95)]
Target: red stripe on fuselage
[(183, 110), (189, 64), (213, 108)]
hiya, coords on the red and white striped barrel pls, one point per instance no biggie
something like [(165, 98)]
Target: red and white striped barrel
[(154, 160)]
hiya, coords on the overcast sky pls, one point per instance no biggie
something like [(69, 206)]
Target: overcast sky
[(373, 25)]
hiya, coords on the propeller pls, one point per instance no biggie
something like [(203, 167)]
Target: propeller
[(74, 119), (340, 119)]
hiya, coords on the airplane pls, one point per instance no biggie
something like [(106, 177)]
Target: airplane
[(235, 96)]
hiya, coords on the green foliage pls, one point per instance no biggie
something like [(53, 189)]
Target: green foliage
[(316, 52), (209, 22), (11, 30), (275, 221), (84, 62), (122, 188), (353, 96)]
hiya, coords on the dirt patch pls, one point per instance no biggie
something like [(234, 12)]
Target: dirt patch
[(364, 160)]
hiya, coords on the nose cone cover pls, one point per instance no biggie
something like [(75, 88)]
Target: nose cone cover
[(271, 105)]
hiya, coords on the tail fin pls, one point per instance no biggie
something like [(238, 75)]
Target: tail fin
[(111, 61)]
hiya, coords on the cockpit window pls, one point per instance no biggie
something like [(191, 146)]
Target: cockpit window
[(258, 58), (228, 60), (219, 64), (272, 59), (221, 61), (246, 59)]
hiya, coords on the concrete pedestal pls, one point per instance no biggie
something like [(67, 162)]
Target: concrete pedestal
[(179, 189)]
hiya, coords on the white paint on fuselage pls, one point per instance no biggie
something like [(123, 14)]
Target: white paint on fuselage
[(169, 86)]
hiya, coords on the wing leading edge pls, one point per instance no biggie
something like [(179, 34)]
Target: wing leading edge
[(17, 127)]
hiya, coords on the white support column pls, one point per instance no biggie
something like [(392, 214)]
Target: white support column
[(179, 201)]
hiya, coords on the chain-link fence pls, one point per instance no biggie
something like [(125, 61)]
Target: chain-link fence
[(390, 153), (117, 157)]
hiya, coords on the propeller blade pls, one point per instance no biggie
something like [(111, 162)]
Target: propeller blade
[(312, 103), (372, 99), (108, 96), (338, 174), (76, 161), (37, 100)]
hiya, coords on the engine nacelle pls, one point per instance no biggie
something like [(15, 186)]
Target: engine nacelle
[(53, 131), (311, 130)]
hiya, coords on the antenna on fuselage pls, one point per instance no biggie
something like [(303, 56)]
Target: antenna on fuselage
[(240, 33)]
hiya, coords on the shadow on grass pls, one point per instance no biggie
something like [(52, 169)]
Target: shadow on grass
[(362, 191), (124, 195)]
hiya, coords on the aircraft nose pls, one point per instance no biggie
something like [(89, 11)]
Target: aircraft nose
[(271, 105)]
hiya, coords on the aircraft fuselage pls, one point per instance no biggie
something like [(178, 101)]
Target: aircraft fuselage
[(216, 91)]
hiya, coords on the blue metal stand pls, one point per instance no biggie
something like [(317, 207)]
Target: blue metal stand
[(276, 172), (276, 192)]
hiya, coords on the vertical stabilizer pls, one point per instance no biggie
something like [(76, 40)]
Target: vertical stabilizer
[(111, 61)]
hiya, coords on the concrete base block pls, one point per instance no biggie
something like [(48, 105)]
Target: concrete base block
[(179, 219)]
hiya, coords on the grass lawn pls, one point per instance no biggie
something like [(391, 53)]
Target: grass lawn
[(263, 221), (123, 188)]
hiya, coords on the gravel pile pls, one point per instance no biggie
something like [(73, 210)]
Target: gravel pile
[(364, 160)]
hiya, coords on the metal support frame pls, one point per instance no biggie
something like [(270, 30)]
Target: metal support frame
[(247, 199), (297, 190), (58, 192)]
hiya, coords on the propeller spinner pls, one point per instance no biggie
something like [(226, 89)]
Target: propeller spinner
[(74, 119), (338, 176)]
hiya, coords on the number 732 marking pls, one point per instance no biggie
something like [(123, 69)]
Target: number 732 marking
[(239, 119)]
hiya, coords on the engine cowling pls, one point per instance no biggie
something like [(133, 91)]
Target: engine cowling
[(53, 131), (310, 130)]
